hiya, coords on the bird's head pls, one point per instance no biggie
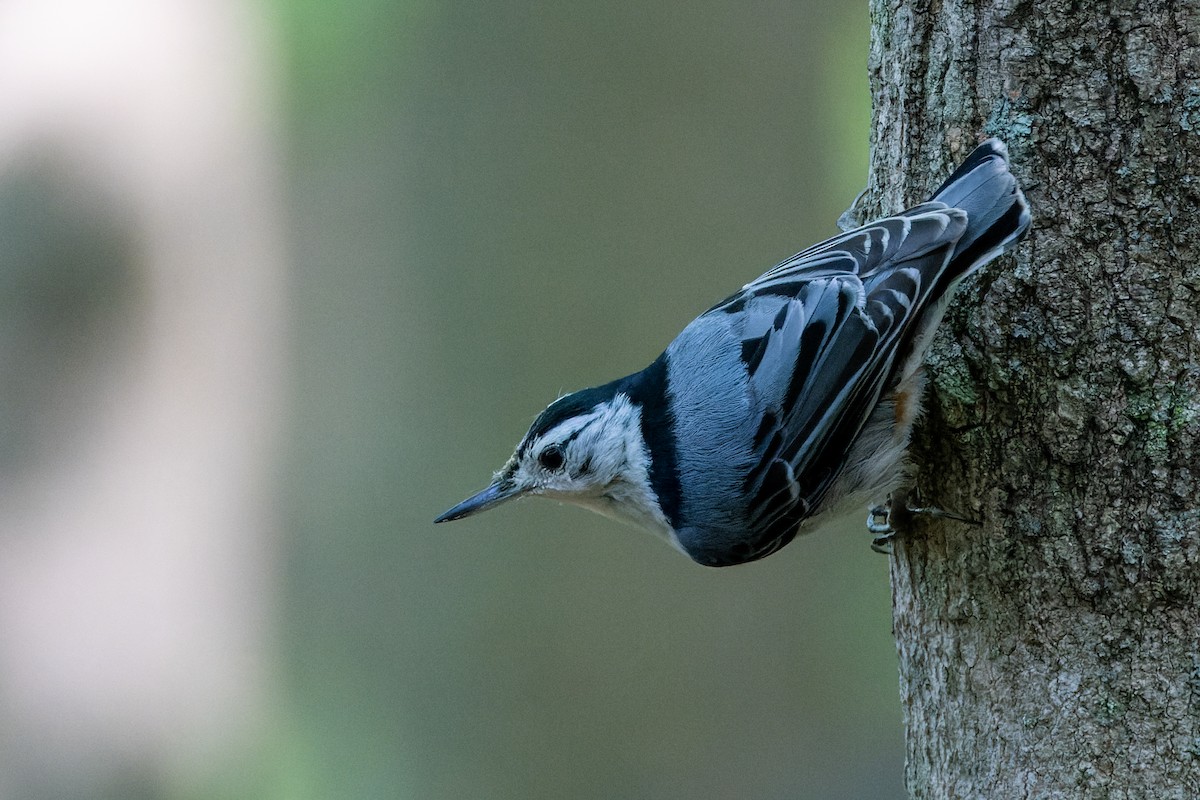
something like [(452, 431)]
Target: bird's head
[(586, 448)]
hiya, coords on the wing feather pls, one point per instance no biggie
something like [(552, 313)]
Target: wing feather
[(820, 335)]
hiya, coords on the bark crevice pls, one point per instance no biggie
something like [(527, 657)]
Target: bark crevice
[(1055, 651)]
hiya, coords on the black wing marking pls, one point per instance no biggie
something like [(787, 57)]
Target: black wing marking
[(820, 336)]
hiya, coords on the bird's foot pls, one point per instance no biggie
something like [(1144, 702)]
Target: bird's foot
[(879, 523), (891, 519), (848, 221)]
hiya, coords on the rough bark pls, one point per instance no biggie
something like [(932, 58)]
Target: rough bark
[(1054, 651)]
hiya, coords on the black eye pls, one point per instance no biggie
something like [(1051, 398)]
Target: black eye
[(551, 458)]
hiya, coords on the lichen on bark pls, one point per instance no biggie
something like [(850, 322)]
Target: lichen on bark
[(1055, 650)]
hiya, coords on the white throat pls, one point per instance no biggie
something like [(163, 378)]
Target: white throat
[(620, 453)]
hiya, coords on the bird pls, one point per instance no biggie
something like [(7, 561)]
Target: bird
[(788, 402)]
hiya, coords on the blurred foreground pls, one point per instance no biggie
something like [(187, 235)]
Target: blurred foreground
[(141, 389)]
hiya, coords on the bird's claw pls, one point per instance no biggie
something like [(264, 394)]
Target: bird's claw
[(877, 519), (880, 521)]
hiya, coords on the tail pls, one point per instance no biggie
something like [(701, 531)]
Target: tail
[(997, 214)]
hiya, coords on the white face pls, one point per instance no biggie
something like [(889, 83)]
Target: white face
[(596, 459), (580, 458)]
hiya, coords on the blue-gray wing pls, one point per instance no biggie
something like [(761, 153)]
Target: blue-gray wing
[(820, 334)]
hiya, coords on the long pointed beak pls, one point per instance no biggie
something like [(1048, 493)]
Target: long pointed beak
[(501, 490)]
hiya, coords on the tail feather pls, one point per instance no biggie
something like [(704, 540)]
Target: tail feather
[(997, 214)]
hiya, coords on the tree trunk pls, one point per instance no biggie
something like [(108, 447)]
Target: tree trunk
[(1054, 651)]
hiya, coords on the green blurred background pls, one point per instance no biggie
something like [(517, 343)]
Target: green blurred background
[(494, 203), (486, 205)]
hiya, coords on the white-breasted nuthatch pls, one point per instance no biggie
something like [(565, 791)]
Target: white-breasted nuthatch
[(783, 402)]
